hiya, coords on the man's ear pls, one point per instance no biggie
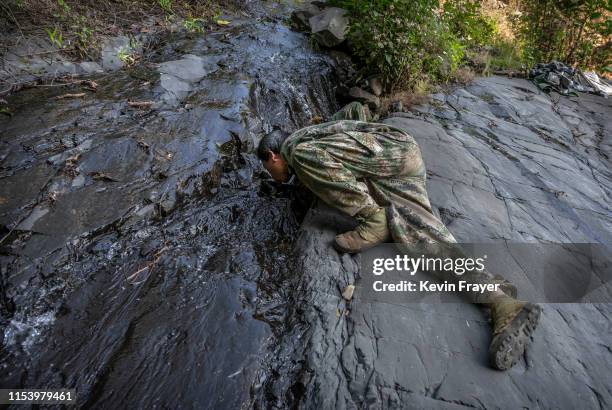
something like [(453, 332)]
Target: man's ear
[(273, 156)]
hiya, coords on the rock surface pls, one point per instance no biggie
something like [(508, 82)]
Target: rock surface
[(364, 97), (34, 58), (329, 26), (138, 259), (301, 17), (375, 85), (138, 264), (506, 163)]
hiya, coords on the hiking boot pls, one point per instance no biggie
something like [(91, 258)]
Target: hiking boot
[(505, 286), (371, 231), (513, 323)]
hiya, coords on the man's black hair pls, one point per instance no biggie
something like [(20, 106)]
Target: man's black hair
[(271, 142)]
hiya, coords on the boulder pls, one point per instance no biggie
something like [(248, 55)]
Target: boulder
[(301, 18), (364, 97), (375, 85), (329, 27), (396, 106)]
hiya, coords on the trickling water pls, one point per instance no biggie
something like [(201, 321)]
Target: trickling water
[(145, 268)]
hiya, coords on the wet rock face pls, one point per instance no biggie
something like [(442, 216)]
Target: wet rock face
[(137, 258), (505, 163)]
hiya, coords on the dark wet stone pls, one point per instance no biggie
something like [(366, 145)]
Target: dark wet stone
[(124, 210)]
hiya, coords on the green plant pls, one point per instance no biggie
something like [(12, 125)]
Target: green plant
[(466, 21), (506, 54), (55, 36), (64, 8), (405, 41), (62, 11), (84, 39), (126, 56), (194, 25), (166, 5), (570, 31), (454, 51)]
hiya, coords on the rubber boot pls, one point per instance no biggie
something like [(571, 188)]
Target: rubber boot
[(513, 323), (371, 231)]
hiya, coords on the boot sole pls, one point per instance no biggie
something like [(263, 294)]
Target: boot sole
[(508, 347)]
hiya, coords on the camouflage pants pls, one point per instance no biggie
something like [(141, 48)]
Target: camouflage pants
[(358, 167)]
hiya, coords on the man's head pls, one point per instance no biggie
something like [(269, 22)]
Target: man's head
[(269, 154)]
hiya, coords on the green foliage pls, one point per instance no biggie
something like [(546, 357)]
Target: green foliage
[(405, 41), (570, 31), (399, 39), (126, 56), (466, 21), (408, 41), (194, 25), (166, 5), (506, 54), (55, 37), (64, 8), (84, 39), (79, 35)]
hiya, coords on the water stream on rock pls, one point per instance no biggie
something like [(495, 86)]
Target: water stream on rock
[(139, 262)]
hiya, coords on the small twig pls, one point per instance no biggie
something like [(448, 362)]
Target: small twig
[(69, 95), (91, 85), (140, 104), (151, 264)]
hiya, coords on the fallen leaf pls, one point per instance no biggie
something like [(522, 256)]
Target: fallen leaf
[(223, 22)]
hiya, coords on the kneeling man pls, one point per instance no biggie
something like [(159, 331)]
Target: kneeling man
[(375, 173)]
